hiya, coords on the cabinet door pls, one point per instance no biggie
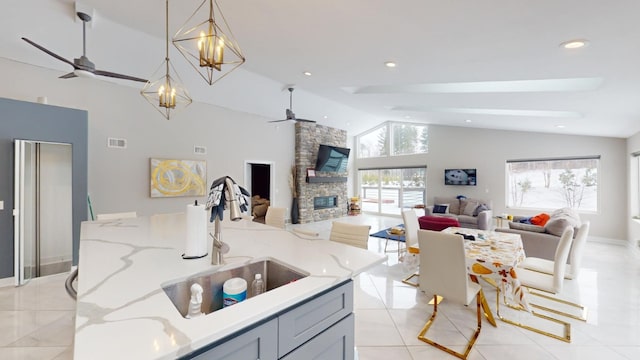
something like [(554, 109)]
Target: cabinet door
[(313, 317), (259, 343), (335, 343)]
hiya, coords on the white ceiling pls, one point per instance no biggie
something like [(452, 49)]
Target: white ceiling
[(458, 60)]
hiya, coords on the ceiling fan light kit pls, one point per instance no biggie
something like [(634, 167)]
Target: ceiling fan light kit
[(167, 94), (209, 45)]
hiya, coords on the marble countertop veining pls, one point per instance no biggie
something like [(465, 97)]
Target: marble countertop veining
[(123, 313)]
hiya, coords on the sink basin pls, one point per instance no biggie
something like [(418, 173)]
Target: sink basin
[(274, 273)]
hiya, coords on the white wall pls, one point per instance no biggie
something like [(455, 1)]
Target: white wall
[(119, 178), (633, 145), (488, 150)]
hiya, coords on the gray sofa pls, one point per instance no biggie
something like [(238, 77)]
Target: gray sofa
[(541, 241), (470, 213)]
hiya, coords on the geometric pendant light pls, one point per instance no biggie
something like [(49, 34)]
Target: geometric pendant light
[(209, 45), (166, 94)]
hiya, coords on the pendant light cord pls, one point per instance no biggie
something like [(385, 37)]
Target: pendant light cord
[(166, 28)]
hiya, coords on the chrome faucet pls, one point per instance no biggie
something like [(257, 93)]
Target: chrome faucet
[(219, 247)]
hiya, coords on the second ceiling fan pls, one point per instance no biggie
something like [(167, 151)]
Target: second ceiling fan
[(290, 116)]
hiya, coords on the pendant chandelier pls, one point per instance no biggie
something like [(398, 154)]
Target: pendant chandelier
[(209, 45), (167, 94)]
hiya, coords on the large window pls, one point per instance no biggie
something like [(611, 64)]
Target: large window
[(553, 183), (388, 191), (401, 138)]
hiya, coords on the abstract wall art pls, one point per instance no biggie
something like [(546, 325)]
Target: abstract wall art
[(170, 177)]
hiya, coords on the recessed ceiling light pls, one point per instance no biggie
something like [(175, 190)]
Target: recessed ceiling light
[(560, 126), (307, 73), (390, 64), (574, 44), (467, 121), (326, 117), (407, 117)]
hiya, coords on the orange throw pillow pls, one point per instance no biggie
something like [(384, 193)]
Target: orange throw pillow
[(540, 219)]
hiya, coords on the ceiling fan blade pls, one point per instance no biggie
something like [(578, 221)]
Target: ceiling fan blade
[(305, 120), (275, 121), (49, 52), (119, 76), (68, 76)]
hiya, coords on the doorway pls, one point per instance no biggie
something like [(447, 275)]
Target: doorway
[(259, 180), (43, 225)]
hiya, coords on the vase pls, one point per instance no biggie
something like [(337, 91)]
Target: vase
[(294, 211)]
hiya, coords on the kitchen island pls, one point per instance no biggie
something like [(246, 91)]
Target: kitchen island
[(123, 312)]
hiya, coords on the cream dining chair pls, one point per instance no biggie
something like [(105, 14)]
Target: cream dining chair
[(275, 217), (575, 256), (553, 283), (548, 283), (411, 227), (443, 272), (350, 234), (116, 216)]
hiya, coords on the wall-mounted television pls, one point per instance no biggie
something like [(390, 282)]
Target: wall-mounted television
[(332, 158), (460, 177)]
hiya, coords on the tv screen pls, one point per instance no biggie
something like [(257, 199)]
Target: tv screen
[(460, 177), (332, 158)]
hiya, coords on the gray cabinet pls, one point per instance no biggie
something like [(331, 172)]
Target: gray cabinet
[(255, 344), (320, 328)]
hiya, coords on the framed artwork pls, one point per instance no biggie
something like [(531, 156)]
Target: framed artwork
[(171, 177)]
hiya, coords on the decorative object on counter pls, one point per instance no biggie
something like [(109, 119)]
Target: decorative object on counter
[(172, 177), (196, 241), (208, 44), (259, 207), (225, 194), (293, 183), (234, 291), (167, 94), (354, 206), (195, 304)]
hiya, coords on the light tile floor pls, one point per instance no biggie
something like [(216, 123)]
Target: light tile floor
[(37, 320)]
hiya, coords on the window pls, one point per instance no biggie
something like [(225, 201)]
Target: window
[(402, 138), (388, 191), (553, 183), (635, 184)]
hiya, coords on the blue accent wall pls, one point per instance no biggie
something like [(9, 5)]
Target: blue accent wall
[(33, 121)]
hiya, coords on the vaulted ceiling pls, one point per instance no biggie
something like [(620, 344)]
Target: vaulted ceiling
[(493, 64)]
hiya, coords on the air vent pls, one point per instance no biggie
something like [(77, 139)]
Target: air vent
[(117, 143), (200, 150)]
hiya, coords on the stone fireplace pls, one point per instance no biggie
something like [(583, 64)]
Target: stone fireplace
[(324, 196)]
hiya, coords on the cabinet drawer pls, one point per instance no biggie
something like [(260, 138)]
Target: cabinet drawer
[(311, 318), (336, 343), (257, 343)]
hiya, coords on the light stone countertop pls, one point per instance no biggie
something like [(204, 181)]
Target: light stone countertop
[(123, 313)]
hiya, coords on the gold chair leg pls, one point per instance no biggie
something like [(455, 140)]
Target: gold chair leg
[(473, 339), (408, 281), (566, 337), (583, 309)]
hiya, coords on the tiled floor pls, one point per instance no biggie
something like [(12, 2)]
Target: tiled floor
[(37, 320)]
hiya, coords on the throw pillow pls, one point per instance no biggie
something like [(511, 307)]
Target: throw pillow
[(469, 208), (526, 227), (556, 226), (479, 209), (540, 219), (440, 208)]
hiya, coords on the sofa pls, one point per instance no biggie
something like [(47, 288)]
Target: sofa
[(541, 240), (470, 213)]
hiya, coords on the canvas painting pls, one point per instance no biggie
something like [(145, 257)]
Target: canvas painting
[(171, 178)]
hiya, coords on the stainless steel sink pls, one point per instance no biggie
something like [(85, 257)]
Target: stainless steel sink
[(274, 274)]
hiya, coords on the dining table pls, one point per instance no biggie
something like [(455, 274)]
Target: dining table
[(494, 257)]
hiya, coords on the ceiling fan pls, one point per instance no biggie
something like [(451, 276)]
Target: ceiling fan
[(82, 66), (290, 115)]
